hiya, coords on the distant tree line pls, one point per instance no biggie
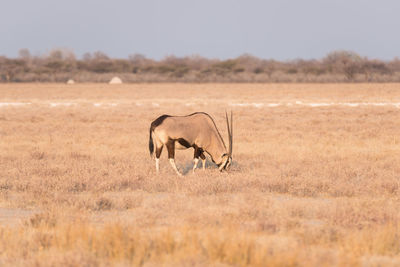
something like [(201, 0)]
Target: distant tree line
[(60, 65)]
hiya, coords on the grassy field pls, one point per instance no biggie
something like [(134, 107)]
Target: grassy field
[(315, 179)]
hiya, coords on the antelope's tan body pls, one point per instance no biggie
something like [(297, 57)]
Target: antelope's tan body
[(197, 130)]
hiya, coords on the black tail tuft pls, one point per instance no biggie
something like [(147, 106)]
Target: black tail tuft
[(153, 125), (151, 144)]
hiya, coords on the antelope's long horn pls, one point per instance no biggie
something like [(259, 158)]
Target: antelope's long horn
[(231, 136), (229, 132)]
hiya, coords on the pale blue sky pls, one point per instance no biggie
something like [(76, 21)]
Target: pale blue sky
[(282, 30)]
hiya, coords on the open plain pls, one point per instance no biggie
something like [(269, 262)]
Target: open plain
[(315, 179)]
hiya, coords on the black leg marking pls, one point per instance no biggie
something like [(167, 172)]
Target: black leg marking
[(198, 152), (183, 142), (171, 155), (158, 151), (171, 149)]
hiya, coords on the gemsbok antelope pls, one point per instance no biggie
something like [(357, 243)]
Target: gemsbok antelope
[(197, 130)]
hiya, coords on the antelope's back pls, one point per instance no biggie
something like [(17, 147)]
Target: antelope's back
[(192, 128)]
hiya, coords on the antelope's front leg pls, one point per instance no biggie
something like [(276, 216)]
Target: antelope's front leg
[(196, 161), (171, 155), (203, 159)]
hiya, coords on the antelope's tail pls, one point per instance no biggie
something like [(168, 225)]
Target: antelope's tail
[(151, 144)]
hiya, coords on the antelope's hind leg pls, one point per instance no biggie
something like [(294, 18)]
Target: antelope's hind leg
[(171, 155), (158, 154), (198, 152)]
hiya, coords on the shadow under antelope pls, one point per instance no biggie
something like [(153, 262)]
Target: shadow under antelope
[(197, 130)]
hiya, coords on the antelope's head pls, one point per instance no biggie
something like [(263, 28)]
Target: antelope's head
[(227, 157)]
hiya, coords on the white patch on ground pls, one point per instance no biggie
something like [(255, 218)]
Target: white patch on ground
[(105, 104), (216, 102), (256, 105), (115, 80), (13, 104), (320, 104), (62, 104), (379, 104), (317, 104), (350, 104), (272, 105)]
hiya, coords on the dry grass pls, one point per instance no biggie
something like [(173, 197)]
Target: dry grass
[(310, 186)]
